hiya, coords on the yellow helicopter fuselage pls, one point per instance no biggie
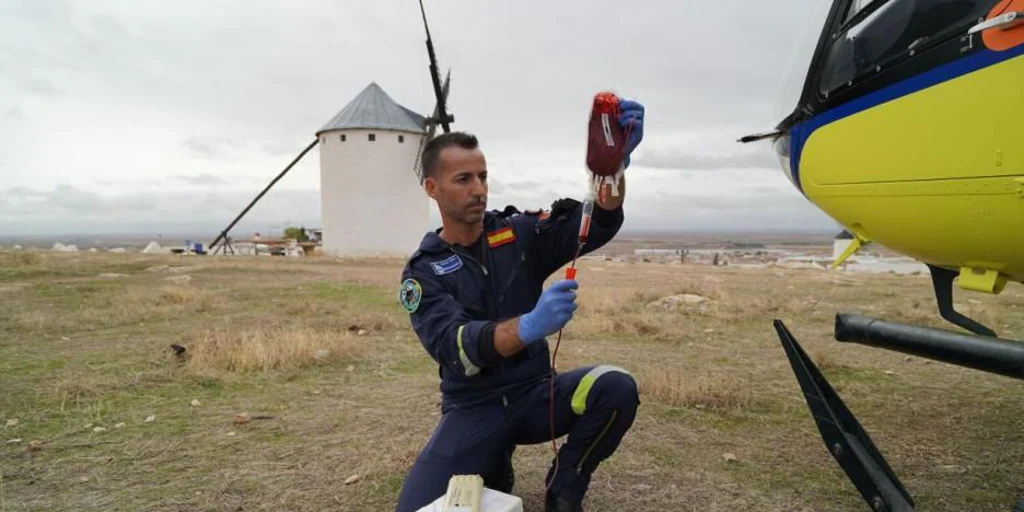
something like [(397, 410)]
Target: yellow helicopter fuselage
[(935, 171)]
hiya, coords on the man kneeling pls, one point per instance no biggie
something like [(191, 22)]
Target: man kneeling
[(474, 292)]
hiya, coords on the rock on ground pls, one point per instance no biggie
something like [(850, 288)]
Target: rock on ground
[(682, 301)]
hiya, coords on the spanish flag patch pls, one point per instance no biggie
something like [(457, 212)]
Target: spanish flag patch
[(501, 237)]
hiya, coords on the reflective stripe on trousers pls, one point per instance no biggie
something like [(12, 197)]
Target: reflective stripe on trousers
[(579, 397)]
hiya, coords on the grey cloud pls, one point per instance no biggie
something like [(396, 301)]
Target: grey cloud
[(208, 147), (522, 82), (21, 193), (69, 209), (72, 209), (132, 202), (74, 199), (525, 189), (64, 198), (276, 78), (40, 86), (676, 159), (42, 11), (763, 189), (56, 40), (223, 148), (201, 179), (673, 207), (495, 186), (708, 213), (528, 185), (109, 26), (276, 148), (14, 113), (129, 184)]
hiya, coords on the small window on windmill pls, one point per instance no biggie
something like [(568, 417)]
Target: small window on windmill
[(373, 137), (342, 137), (401, 139)]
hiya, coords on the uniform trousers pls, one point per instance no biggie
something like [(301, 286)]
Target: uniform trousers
[(595, 406)]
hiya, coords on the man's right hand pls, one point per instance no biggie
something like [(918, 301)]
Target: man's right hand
[(554, 309)]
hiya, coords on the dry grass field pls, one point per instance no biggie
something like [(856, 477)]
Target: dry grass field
[(303, 374)]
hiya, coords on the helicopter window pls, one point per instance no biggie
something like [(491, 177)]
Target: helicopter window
[(856, 6), (892, 30)]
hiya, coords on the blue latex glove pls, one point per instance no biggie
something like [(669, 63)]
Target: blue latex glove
[(554, 309), (631, 117)]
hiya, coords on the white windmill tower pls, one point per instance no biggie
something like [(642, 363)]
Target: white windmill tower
[(370, 204)]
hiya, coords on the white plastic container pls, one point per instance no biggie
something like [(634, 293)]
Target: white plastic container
[(490, 501)]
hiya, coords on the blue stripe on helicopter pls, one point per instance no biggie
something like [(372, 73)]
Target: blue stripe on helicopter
[(801, 132)]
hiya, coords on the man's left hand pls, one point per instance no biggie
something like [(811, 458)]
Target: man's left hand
[(631, 119)]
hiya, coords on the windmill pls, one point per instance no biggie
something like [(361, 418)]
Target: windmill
[(440, 116)]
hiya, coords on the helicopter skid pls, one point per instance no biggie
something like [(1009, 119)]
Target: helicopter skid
[(844, 437)]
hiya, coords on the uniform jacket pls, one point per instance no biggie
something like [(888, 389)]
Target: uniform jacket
[(454, 300)]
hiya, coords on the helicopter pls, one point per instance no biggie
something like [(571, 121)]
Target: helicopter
[(907, 133)]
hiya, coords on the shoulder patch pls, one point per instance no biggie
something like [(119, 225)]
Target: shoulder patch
[(410, 294), (447, 266), (501, 237)]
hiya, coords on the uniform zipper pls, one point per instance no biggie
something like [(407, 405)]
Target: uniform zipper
[(512, 277), (494, 304), (474, 260)]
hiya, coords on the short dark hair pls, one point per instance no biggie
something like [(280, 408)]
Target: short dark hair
[(432, 150)]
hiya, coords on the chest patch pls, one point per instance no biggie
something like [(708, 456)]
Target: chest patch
[(447, 266), (501, 237)]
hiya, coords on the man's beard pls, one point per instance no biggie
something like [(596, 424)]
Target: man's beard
[(468, 216)]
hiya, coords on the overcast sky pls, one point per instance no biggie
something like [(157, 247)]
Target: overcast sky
[(139, 116)]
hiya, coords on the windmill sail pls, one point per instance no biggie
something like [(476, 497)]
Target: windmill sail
[(440, 114), (431, 127)]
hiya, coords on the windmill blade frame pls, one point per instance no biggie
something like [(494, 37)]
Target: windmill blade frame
[(430, 124)]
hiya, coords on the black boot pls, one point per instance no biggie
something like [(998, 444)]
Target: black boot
[(560, 504), (504, 478)]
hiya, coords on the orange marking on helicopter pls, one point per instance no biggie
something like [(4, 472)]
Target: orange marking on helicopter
[(997, 39)]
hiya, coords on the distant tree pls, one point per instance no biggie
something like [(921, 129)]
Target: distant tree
[(297, 234)]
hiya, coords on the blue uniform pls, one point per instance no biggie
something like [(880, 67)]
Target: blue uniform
[(492, 403)]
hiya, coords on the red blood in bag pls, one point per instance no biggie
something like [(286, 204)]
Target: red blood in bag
[(606, 143), (570, 273)]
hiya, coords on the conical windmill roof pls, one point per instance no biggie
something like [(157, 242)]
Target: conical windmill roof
[(373, 108)]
